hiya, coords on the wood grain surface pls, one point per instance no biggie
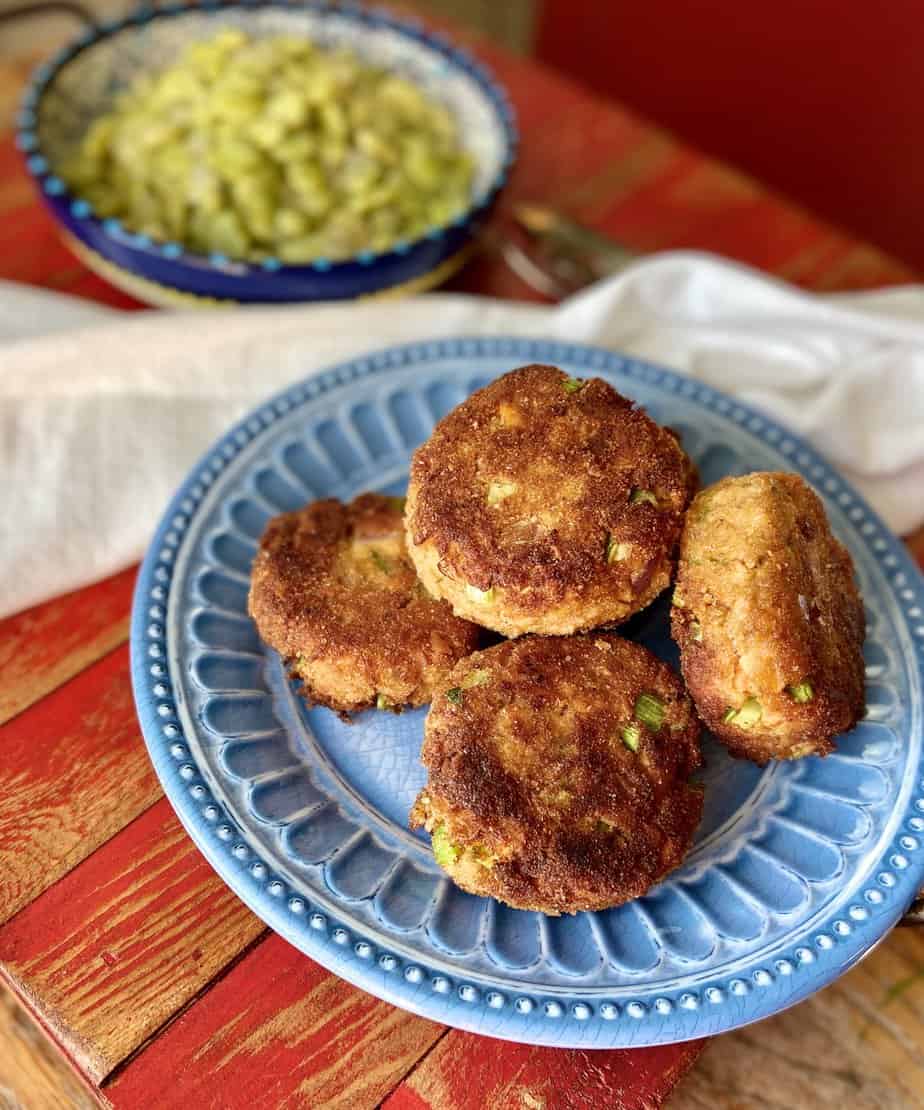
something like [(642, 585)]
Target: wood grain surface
[(278, 1031), (73, 773), (47, 645), (463, 1073), (857, 1045), (110, 952)]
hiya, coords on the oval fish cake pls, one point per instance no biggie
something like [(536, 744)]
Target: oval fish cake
[(558, 772), (768, 619), (333, 591), (547, 504)]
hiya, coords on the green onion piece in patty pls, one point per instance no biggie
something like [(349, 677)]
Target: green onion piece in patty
[(478, 677), (696, 630), (631, 735), (485, 596), (637, 496), (729, 715), (444, 851), (455, 695), (801, 692), (615, 552), (749, 713), (381, 702), (650, 711), (572, 385), (380, 561), (480, 854)]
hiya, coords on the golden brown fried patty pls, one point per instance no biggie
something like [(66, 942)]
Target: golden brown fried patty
[(768, 619), (558, 771), (333, 591), (546, 504)]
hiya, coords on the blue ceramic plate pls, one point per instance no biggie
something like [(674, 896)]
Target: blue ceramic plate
[(797, 870)]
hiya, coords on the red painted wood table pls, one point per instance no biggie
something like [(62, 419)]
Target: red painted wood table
[(151, 978)]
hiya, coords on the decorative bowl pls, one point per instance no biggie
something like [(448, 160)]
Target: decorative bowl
[(68, 92)]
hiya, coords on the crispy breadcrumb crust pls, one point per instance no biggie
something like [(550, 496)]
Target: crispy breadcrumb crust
[(545, 804), (766, 608), (333, 591), (547, 504)]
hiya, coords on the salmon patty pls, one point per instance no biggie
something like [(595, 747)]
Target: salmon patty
[(768, 618), (558, 773), (547, 504), (333, 591)]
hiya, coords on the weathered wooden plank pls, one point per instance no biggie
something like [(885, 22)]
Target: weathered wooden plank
[(45, 646), (120, 944), (277, 1031), (468, 1072), (33, 1075), (74, 772), (859, 1043)]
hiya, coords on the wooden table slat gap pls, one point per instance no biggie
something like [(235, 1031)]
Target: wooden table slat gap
[(458, 1074), (34, 1075), (65, 680), (74, 776), (40, 695), (15, 987), (90, 948), (112, 1075), (103, 844), (417, 1063), (47, 646), (84, 665), (279, 1030)]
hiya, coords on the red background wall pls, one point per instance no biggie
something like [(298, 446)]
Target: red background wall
[(822, 99)]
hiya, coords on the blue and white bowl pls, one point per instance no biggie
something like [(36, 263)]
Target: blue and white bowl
[(66, 94)]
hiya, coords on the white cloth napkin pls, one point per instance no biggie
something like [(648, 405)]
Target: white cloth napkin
[(102, 413)]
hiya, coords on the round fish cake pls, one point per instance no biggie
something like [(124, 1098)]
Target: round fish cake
[(333, 591), (768, 619), (547, 504), (558, 773)]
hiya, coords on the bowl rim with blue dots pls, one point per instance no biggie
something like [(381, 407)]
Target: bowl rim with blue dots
[(166, 267)]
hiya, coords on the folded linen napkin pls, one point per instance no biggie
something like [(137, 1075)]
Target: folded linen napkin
[(102, 412)]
